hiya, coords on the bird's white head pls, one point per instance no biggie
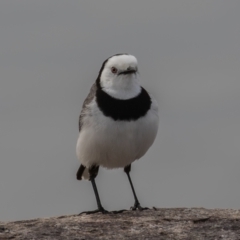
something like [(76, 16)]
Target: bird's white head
[(118, 76)]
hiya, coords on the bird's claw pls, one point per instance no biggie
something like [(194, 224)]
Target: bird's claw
[(100, 210), (137, 206), (119, 211)]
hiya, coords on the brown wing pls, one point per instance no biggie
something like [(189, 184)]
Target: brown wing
[(89, 98)]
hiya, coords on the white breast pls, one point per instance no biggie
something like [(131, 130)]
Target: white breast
[(113, 144)]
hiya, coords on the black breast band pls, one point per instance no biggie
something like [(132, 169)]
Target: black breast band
[(124, 110)]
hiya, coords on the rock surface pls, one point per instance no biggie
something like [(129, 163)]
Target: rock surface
[(173, 223)]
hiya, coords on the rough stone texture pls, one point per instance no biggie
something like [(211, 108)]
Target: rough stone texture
[(175, 223)]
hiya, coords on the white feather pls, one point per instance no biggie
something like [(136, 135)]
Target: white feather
[(115, 144), (120, 86)]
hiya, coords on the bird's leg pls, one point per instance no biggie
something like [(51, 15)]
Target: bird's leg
[(100, 207), (93, 171), (137, 205)]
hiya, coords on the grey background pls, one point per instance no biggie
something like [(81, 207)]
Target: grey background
[(50, 54)]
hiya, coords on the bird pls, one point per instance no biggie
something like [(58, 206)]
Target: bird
[(118, 123)]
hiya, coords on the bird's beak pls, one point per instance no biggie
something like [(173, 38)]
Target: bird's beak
[(129, 71)]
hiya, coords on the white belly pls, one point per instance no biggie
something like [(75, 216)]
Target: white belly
[(114, 144)]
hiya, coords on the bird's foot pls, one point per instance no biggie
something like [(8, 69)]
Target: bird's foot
[(138, 207), (99, 210), (119, 211)]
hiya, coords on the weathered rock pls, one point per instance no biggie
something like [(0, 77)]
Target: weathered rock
[(175, 223)]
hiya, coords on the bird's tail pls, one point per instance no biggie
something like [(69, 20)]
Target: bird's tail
[(85, 174), (82, 173)]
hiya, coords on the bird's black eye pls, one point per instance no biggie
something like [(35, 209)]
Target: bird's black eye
[(114, 70)]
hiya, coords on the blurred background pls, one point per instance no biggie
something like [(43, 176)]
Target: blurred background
[(189, 59)]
